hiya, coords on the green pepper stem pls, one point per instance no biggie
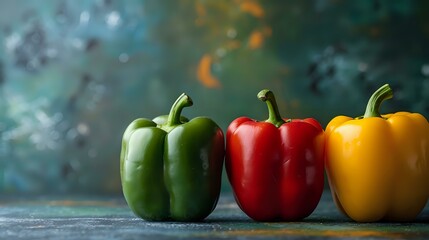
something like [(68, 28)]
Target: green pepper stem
[(374, 103), (273, 111), (176, 110)]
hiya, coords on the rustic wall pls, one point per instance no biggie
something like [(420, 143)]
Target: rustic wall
[(73, 74)]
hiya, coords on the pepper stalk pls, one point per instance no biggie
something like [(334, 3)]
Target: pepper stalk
[(374, 103), (175, 112), (274, 116)]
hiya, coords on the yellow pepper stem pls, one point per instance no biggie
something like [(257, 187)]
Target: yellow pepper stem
[(374, 103)]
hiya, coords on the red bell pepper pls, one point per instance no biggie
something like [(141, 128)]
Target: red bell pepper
[(275, 167)]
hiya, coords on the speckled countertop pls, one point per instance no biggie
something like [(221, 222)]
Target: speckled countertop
[(110, 218)]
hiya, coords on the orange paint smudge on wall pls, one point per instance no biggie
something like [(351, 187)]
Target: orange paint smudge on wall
[(257, 37), (204, 74), (252, 8), (256, 40)]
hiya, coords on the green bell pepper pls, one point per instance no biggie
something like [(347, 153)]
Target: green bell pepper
[(170, 167)]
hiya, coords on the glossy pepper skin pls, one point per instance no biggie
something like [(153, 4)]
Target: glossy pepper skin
[(378, 165), (171, 168), (275, 167)]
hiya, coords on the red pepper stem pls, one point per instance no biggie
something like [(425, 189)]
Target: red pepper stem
[(273, 111), (176, 110), (374, 103)]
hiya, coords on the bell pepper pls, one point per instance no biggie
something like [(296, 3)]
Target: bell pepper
[(378, 165), (171, 168), (275, 167)]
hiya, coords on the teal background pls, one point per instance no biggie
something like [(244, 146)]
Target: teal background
[(74, 74)]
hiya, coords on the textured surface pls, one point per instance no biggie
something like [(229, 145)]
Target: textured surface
[(110, 218)]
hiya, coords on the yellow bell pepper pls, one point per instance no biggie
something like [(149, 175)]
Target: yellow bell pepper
[(378, 165)]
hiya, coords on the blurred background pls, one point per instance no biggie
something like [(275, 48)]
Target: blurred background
[(74, 74)]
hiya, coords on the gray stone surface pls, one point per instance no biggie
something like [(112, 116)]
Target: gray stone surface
[(110, 218)]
